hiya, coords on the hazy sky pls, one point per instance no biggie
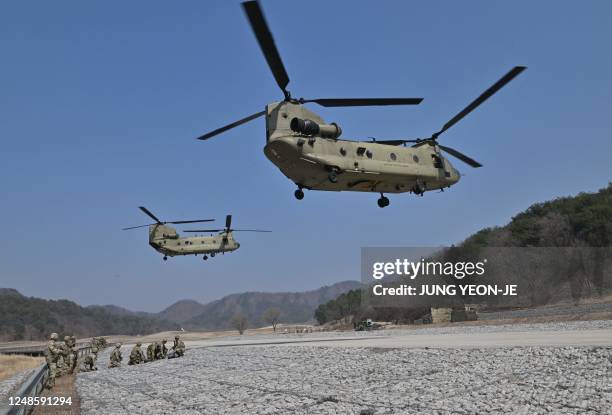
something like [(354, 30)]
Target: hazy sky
[(100, 104)]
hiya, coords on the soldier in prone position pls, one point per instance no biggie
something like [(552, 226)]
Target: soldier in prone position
[(52, 355), (137, 355), (115, 357)]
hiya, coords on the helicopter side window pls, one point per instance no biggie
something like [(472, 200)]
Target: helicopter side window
[(392, 156), (369, 154), (360, 151), (437, 161), (342, 151), (415, 158)]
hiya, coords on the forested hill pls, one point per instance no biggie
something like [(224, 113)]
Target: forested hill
[(582, 220), (30, 318)]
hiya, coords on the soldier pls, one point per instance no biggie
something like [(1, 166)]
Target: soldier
[(151, 351), (136, 355), (74, 354), (115, 357), (89, 363), (178, 349), (161, 351), (52, 355), (63, 365)]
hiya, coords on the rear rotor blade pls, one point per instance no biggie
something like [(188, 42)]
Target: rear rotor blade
[(362, 102), (228, 221), (230, 126), (148, 212), (248, 230), (141, 226), (460, 156), (482, 98), (266, 42), (191, 221), (394, 142)]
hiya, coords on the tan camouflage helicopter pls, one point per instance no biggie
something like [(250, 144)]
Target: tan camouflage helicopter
[(167, 241), (309, 152)]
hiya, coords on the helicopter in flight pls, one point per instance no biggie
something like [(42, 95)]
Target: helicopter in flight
[(309, 151), (167, 241)]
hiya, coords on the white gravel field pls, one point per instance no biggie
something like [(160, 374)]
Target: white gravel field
[(315, 379)]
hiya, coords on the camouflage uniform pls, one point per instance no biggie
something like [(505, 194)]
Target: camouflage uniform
[(136, 355), (74, 354), (115, 357), (161, 351), (151, 351), (89, 363), (178, 350), (52, 355), (63, 365)]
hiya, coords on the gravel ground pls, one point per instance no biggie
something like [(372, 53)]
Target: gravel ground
[(337, 380), (548, 311), (10, 385)]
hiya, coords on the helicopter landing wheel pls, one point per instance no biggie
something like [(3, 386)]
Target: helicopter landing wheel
[(204, 257), (383, 201), (212, 255), (165, 258), (333, 176), (299, 194)]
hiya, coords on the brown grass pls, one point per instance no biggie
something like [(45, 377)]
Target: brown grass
[(64, 386), (11, 364)]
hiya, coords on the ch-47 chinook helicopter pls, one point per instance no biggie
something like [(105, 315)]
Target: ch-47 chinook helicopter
[(167, 241), (309, 152)]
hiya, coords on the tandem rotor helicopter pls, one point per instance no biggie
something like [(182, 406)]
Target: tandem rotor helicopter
[(167, 241), (310, 153)]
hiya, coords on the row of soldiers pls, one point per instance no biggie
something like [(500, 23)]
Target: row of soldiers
[(155, 351), (62, 357)]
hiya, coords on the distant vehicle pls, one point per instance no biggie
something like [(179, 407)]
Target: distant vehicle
[(309, 152), (167, 241)]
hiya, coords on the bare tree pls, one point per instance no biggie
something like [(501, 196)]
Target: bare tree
[(272, 316), (239, 321)]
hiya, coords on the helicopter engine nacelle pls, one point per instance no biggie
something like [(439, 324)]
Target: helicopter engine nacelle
[(309, 127)]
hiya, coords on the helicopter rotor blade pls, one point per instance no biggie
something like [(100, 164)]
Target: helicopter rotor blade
[(230, 126), (394, 142), (460, 156), (482, 98), (228, 222), (362, 102), (151, 215), (140, 226), (249, 230), (266, 42), (178, 222)]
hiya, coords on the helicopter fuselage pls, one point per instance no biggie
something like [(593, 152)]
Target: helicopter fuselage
[(167, 241), (317, 162)]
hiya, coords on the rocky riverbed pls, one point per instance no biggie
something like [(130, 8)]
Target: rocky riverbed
[(303, 379)]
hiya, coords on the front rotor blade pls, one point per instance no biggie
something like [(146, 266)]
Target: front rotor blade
[(191, 221), (482, 98), (230, 126), (204, 230), (266, 42), (148, 212), (394, 142), (141, 226), (248, 230), (228, 221), (460, 156), (363, 102)]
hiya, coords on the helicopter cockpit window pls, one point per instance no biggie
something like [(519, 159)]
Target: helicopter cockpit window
[(437, 161), (415, 158), (392, 156), (360, 151)]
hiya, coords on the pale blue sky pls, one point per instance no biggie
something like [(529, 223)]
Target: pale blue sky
[(101, 102)]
